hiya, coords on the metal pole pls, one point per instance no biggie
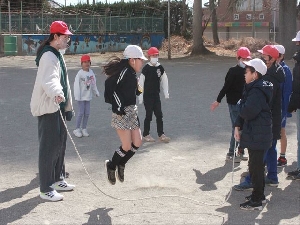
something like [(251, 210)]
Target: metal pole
[(253, 25), (21, 17), (9, 18), (0, 21), (274, 25), (169, 31)]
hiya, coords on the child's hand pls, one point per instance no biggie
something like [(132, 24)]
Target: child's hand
[(237, 134)]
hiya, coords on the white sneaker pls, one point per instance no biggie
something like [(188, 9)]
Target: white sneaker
[(164, 138), (52, 196), (77, 132), (85, 133), (148, 138), (62, 186)]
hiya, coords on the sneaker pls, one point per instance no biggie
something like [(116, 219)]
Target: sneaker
[(263, 200), (296, 177), (85, 133), (293, 173), (62, 186), (120, 173), (164, 138), (241, 154), (148, 138), (250, 205), (281, 162), (244, 186), (111, 174), (229, 157), (77, 133), (271, 183), (51, 196)]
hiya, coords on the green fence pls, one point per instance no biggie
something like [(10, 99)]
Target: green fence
[(32, 23)]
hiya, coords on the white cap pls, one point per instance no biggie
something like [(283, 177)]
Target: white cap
[(258, 65), (297, 38), (280, 49), (134, 52)]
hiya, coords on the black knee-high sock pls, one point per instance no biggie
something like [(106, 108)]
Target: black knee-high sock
[(117, 157), (129, 154)]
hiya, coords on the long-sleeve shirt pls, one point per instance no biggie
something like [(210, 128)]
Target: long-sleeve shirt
[(152, 79), (85, 85)]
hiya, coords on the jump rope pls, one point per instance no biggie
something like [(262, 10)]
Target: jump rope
[(150, 197)]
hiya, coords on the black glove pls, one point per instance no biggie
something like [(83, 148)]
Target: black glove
[(69, 115)]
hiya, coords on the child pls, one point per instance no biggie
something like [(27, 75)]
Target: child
[(255, 122), (153, 76), (233, 89), (121, 88), (84, 87)]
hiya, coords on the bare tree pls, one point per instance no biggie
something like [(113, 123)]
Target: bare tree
[(198, 46), (287, 25), (212, 7), (184, 18)]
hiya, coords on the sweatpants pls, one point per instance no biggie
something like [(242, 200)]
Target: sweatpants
[(256, 170), (153, 105), (83, 114), (52, 145)]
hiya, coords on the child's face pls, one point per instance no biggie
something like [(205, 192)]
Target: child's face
[(153, 59), (86, 65), (249, 76)]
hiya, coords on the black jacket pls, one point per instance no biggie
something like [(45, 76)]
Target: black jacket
[(295, 97), (121, 90), (255, 118), (275, 75), (233, 86)]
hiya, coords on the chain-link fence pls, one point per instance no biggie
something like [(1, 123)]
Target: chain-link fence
[(29, 22)]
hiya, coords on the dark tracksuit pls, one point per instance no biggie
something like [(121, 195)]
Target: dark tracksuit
[(150, 80), (255, 121)]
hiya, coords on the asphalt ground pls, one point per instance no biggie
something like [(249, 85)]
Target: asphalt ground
[(183, 182)]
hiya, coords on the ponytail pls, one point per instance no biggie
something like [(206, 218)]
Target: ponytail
[(45, 42), (115, 66)]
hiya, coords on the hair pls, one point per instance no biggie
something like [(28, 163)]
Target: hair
[(46, 42), (115, 66), (252, 70)]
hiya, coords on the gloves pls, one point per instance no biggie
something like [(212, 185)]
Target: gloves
[(69, 115)]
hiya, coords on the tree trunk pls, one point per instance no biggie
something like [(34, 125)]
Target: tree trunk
[(198, 46), (214, 19), (287, 25), (87, 2), (184, 16)]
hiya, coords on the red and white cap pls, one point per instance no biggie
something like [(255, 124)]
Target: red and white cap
[(258, 65), (152, 51), (85, 58), (270, 50), (244, 53), (59, 27)]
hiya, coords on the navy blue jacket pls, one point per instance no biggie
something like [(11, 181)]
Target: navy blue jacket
[(255, 119), (295, 98)]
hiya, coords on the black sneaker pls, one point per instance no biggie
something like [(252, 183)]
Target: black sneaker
[(120, 173), (293, 173), (250, 205), (111, 174), (281, 162), (248, 198)]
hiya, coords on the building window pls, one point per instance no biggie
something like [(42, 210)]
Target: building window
[(261, 16), (247, 5), (249, 17), (236, 17)]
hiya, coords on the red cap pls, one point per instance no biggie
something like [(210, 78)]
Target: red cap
[(152, 51), (244, 53), (270, 50), (59, 27), (85, 58)]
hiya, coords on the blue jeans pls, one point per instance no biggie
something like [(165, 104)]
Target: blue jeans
[(270, 159), (233, 111), (298, 138), (83, 114)]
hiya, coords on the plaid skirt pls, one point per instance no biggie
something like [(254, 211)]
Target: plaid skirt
[(129, 121)]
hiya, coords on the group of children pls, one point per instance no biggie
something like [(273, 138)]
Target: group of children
[(259, 94), (152, 78)]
